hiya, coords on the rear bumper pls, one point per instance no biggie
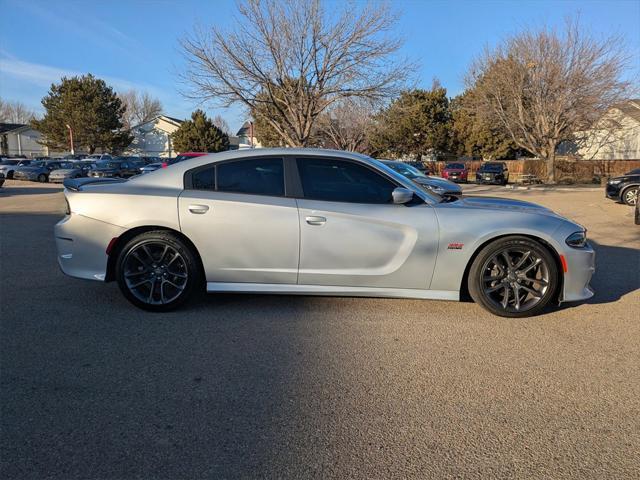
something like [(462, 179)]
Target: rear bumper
[(581, 265), (81, 243)]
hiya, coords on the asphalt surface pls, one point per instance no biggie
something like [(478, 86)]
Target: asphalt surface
[(252, 386)]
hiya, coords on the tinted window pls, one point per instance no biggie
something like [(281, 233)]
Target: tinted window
[(634, 172), (263, 176), (204, 179), (491, 167), (342, 181)]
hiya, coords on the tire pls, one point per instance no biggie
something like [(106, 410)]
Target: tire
[(157, 271), (630, 196), (490, 280), (10, 175), (42, 178)]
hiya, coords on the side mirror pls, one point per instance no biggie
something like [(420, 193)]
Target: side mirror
[(402, 195)]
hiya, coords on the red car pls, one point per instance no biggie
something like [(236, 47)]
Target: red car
[(456, 172)]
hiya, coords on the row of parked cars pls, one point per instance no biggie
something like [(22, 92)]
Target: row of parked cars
[(57, 170), (489, 172)]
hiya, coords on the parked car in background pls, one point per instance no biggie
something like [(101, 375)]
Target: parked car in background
[(1, 179), (70, 170), (625, 188), (420, 166), (315, 222), (39, 171), (9, 165), (493, 172), (96, 157), (170, 161), (456, 172), (114, 168), (439, 185)]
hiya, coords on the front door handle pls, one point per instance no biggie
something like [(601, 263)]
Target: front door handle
[(198, 209), (316, 220)]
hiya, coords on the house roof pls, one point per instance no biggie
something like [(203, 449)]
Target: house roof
[(631, 108), (166, 118), (7, 127), (244, 130)]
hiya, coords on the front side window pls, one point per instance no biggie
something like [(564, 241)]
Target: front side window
[(343, 181), (260, 176)]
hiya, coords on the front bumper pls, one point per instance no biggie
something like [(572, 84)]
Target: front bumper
[(24, 176), (82, 243), (581, 265), (57, 179), (613, 191)]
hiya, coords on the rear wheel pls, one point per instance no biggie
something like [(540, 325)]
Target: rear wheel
[(42, 178), (630, 196), (157, 271), (513, 277)]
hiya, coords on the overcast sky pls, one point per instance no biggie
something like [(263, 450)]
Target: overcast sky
[(134, 43)]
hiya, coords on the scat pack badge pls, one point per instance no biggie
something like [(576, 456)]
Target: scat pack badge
[(455, 246)]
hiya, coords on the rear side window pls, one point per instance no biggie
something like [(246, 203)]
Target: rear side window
[(343, 181), (256, 176), (263, 176)]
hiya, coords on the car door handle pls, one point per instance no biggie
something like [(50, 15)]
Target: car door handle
[(315, 220), (198, 209)]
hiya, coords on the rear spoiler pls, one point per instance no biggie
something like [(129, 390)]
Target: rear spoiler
[(76, 184)]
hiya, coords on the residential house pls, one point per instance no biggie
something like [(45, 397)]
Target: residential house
[(245, 138), (19, 139), (615, 137), (153, 138)]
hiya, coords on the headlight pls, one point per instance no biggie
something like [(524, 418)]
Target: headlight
[(577, 239), (438, 190), (614, 182)]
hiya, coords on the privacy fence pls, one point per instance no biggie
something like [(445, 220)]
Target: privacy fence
[(567, 171)]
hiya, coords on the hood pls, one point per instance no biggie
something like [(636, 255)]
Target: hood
[(503, 204)]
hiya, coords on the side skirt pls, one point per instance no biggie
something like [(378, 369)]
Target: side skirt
[(332, 290)]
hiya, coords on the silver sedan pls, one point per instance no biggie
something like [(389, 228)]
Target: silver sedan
[(315, 222)]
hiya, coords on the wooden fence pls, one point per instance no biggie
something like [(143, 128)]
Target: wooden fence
[(567, 171)]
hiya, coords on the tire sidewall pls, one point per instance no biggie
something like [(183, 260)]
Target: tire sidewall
[(192, 265), (475, 274)]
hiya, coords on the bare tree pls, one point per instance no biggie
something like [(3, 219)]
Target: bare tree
[(139, 107), (15, 112), (222, 124), (297, 58), (346, 125), (543, 86)]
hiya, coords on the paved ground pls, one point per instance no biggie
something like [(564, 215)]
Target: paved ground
[(307, 387)]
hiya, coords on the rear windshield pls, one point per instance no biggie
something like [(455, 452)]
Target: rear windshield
[(457, 166), (491, 167)]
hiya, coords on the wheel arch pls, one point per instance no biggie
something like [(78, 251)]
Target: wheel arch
[(464, 288), (122, 240)]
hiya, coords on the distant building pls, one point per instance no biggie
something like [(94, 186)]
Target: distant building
[(615, 137), (19, 139), (153, 138), (245, 138)]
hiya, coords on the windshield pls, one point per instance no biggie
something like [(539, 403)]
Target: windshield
[(39, 163), (385, 167), (491, 167), (9, 162), (455, 166), (406, 170)]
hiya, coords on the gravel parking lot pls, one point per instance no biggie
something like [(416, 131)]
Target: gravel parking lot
[(246, 386)]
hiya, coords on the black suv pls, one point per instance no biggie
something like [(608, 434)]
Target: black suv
[(625, 188), (493, 172)]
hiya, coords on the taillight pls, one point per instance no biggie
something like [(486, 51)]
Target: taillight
[(165, 164)]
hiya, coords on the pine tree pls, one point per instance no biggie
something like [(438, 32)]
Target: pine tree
[(199, 134)]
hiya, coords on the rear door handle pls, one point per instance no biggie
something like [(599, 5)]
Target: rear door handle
[(198, 209), (316, 220)]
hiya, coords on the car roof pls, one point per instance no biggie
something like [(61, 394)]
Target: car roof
[(173, 177)]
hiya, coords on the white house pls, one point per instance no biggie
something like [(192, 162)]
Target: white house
[(153, 138), (19, 139), (246, 137), (616, 136)]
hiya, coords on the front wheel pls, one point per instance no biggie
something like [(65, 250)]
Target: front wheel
[(513, 277), (42, 178), (157, 271), (630, 196)]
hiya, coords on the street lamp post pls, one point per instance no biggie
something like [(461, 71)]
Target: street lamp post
[(71, 139)]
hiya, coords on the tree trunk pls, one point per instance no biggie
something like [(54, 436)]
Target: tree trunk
[(551, 165)]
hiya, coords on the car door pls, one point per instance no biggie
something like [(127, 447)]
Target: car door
[(351, 234), (238, 216)]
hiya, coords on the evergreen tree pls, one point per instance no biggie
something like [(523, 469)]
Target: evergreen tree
[(199, 134), (93, 111)]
